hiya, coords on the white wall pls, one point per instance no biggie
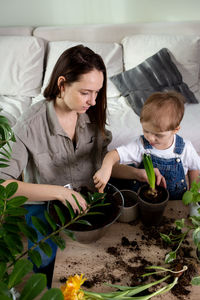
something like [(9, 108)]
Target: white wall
[(63, 12)]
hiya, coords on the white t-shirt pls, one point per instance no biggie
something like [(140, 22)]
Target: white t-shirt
[(132, 153)]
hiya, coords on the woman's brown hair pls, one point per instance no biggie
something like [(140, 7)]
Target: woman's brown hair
[(72, 64)]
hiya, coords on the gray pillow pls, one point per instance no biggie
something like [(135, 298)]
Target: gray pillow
[(157, 73)]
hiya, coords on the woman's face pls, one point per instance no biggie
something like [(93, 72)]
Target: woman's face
[(80, 95)]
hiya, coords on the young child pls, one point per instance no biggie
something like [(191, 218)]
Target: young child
[(174, 157)]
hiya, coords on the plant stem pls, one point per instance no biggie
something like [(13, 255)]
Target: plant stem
[(50, 235)]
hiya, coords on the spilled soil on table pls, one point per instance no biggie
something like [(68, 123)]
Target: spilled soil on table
[(135, 266)]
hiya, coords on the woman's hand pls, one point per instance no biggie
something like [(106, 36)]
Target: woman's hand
[(67, 195)]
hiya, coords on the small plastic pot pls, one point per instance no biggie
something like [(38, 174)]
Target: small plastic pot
[(151, 213), (130, 209)]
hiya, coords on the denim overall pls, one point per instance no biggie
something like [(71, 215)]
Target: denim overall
[(171, 169)]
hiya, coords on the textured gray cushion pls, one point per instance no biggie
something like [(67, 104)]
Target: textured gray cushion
[(157, 73)]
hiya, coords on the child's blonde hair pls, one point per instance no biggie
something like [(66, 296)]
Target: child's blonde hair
[(164, 110)]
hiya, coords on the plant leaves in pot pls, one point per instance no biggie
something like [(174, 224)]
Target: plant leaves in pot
[(152, 199), (104, 210)]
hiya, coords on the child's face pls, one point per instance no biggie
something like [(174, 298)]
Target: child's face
[(159, 140)]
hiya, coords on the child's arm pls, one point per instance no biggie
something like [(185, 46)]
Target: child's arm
[(193, 175), (102, 176), (129, 172)]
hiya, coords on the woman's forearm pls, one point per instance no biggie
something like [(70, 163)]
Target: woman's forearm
[(45, 192), (36, 192)]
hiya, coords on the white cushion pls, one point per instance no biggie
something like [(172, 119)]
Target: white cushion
[(21, 61), (110, 52), (12, 107), (185, 52)]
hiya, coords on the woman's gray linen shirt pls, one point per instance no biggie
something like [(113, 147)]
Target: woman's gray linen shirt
[(47, 155)]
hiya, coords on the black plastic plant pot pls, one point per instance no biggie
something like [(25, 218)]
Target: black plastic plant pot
[(151, 209)]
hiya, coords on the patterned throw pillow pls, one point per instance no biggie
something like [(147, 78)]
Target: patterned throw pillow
[(157, 73)]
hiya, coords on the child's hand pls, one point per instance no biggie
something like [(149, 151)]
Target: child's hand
[(101, 178), (160, 179)]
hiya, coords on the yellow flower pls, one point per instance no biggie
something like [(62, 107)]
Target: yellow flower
[(71, 290)]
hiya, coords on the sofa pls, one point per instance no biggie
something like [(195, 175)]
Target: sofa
[(168, 52)]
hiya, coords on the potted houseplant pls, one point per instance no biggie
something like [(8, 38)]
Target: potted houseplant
[(14, 265), (192, 198), (152, 199), (104, 211)]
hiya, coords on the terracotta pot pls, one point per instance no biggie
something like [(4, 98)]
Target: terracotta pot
[(151, 211), (130, 209)]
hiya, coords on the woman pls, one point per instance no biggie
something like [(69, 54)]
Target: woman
[(62, 139)]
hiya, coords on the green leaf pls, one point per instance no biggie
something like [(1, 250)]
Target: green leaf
[(5, 253), (14, 219), (46, 248), (195, 221), (187, 197), (4, 165), (14, 243), (84, 222), (180, 224), (166, 238), (4, 291), (34, 286), (58, 241), (50, 220), (35, 257), (21, 268), (53, 294), (18, 211), (195, 280), (70, 234), (11, 189), (90, 213), (17, 201), (2, 192), (60, 214), (196, 236), (2, 269), (40, 225), (71, 211), (29, 232), (11, 228), (171, 256), (77, 203), (148, 165)]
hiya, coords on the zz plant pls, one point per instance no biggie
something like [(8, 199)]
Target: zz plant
[(14, 265)]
